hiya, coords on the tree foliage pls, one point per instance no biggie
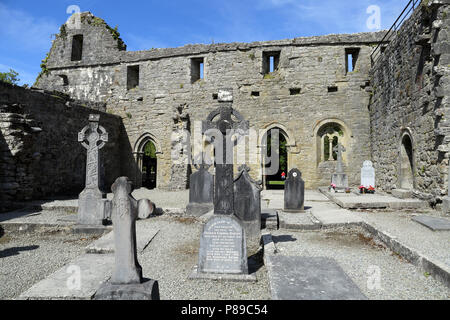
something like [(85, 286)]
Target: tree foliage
[(10, 77)]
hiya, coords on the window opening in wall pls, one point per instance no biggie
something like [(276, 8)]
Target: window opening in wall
[(271, 61), (255, 93), (77, 47), (197, 69), (351, 59), (294, 91), (333, 89), (65, 80), (132, 77)]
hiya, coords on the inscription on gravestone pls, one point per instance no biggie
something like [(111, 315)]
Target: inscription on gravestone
[(223, 247)]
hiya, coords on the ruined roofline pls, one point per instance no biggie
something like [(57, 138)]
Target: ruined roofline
[(123, 56)]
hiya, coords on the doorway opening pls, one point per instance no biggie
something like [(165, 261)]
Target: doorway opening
[(149, 166), (406, 164), (276, 180)]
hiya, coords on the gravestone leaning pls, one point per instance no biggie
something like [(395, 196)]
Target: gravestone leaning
[(294, 192), (126, 282), (368, 175), (247, 207), (339, 178), (201, 191), (91, 206)]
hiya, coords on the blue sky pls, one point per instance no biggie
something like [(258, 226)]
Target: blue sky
[(27, 26)]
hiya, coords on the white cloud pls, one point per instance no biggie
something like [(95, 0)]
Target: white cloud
[(29, 32)]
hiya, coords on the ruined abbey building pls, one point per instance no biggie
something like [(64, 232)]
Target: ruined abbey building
[(319, 91)]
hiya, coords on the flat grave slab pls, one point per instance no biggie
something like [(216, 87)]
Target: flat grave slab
[(93, 269), (372, 201), (310, 278), (145, 233), (298, 221), (433, 223)]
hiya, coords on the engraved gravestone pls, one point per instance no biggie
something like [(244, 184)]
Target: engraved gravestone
[(223, 247), (91, 208), (126, 282), (201, 190), (368, 175), (294, 192), (247, 207), (340, 179)]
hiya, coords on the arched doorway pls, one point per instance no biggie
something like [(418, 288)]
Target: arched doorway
[(149, 165), (274, 177), (406, 163)]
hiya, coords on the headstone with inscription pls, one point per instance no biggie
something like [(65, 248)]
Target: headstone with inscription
[(223, 247), (247, 207), (294, 192), (201, 190), (126, 282), (368, 175), (91, 205), (339, 178)]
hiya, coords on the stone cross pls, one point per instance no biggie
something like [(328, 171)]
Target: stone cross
[(223, 195), (93, 137), (124, 214), (339, 149)]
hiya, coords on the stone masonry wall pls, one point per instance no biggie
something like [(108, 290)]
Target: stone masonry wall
[(39, 149), (411, 96), (311, 65)]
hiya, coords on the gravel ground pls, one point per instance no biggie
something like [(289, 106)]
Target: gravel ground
[(162, 199), (26, 259), (356, 252), (37, 216), (173, 253)]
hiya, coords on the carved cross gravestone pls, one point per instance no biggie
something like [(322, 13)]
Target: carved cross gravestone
[(223, 188), (126, 282), (201, 189), (247, 206), (340, 179), (368, 175), (91, 209), (223, 249), (294, 192)]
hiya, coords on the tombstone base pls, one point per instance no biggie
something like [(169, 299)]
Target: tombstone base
[(402, 193), (446, 205), (148, 290), (92, 208), (302, 210), (198, 209), (341, 181), (196, 275)]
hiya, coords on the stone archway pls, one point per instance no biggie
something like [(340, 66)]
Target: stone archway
[(406, 162), (147, 152), (272, 177)]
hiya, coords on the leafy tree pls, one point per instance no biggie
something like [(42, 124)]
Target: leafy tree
[(10, 77)]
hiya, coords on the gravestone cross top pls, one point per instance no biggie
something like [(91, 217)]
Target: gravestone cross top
[(93, 137), (339, 149), (223, 195)]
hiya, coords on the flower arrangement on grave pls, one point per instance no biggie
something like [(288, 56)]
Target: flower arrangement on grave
[(332, 186), (347, 190), (363, 190)]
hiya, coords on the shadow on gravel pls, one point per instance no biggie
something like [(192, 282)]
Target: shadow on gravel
[(2, 232), (278, 239), (16, 251), (256, 261)]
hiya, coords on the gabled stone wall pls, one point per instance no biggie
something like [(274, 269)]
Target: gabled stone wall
[(411, 98)]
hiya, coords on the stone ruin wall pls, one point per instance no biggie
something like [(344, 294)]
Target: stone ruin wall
[(309, 64), (411, 86), (39, 149)]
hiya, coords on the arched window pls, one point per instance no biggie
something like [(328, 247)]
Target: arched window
[(329, 136)]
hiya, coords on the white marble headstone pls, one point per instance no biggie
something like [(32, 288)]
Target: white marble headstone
[(368, 174)]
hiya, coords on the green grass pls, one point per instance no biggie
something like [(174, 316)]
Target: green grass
[(276, 183)]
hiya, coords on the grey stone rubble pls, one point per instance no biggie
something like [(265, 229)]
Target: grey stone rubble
[(126, 282)]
